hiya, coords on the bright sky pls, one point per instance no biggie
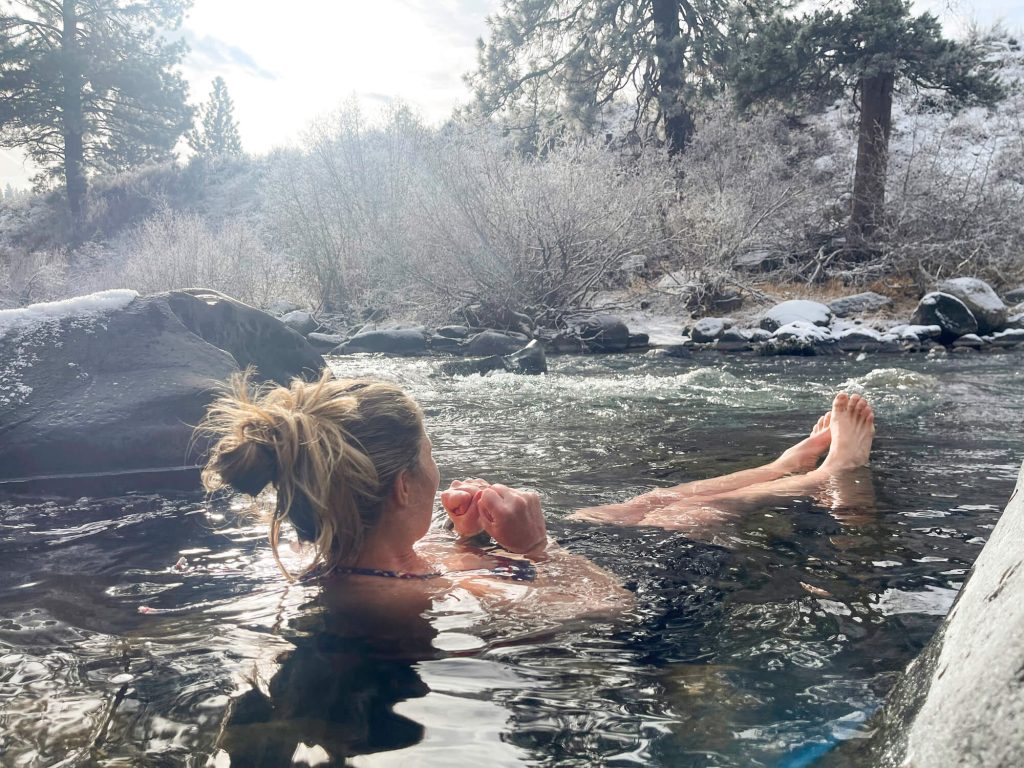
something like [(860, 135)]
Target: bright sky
[(286, 64)]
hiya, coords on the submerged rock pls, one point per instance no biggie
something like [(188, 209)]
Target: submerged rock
[(797, 310), (530, 360), (960, 703), (947, 312), (113, 383), (977, 295)]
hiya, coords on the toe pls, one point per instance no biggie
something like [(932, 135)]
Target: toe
[(841, 403)]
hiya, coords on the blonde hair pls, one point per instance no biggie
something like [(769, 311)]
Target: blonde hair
[(331, 448)]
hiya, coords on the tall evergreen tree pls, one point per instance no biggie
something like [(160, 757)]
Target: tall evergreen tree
[(557, 61), (868, 50), (217, 135), (87, 84)]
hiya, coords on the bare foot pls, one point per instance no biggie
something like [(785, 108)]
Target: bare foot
[(804, 456), (853, 428)]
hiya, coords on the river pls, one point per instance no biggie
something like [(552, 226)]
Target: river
[(156, 630)]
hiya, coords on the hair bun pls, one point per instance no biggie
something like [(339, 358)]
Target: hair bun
[(249, 467)]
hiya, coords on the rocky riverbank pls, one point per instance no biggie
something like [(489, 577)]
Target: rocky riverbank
[(962, 314)]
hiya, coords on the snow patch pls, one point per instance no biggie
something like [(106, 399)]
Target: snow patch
[(26, 331), (81, 308)]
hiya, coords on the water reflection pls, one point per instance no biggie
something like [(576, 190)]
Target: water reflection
[(147, 630)]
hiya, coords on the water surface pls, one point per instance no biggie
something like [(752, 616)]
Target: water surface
[(146, 630)]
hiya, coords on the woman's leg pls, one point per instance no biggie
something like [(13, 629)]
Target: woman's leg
[(852, 425), (691, 499)]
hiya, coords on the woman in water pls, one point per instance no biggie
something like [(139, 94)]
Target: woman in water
[(354, 475)]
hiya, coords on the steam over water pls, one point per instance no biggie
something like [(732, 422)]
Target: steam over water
[(759, 646)]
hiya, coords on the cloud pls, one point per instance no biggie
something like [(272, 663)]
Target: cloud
[(460, 20), (211, 53)]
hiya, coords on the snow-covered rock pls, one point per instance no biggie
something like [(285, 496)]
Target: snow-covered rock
[(977, 295), (1008, 338), (708, 329), (796, 311), (947, 312), (801, 338), (111, 384)]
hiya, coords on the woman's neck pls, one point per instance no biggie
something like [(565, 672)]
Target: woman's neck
[(382, 554)]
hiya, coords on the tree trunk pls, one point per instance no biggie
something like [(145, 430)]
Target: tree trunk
[(73, 124), (872, 157), (669, 49)]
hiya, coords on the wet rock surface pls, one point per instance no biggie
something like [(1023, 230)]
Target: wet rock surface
[(960, 703), (120, 391)]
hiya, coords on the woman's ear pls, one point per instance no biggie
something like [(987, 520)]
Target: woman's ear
[(401, 491)]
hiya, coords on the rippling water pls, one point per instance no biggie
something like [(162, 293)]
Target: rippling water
[(157, 631)]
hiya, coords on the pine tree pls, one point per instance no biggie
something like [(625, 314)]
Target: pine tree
[(90, 84), (866, 51), (218, 136), (552, 63)]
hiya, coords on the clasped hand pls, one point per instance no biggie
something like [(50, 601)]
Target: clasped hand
[(513, 518)]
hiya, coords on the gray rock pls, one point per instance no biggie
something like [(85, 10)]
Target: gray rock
[(797, 310), (528, 361), (300, 322), (453, 331), (1008, 338), (972, 340), (761, 260), (1015, 321), (1016, 296), (116, 396), (602, 333), (325, 341), (494, 343), (391, 341), (947, 312), (639, 340), (859, 304), (278, 307), (756, 335), (977, 295), (708, 329), (438, 343), (960, 703)]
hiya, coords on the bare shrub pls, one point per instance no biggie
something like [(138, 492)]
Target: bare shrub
[(179, 250), (541, 235), (750, 183), (341, 207), (27, 277)]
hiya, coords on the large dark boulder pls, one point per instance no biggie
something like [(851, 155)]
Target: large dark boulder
[(391, 341), (601, 333), (947, 312), (977, 295), (112, 385), (960, 703), (494, 343), (254, 338)]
